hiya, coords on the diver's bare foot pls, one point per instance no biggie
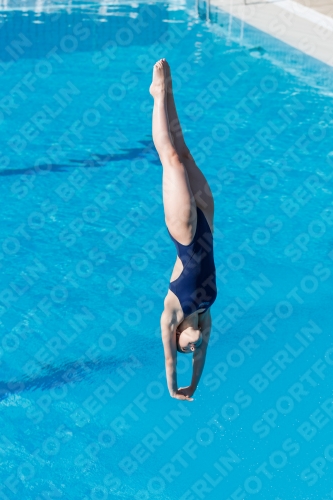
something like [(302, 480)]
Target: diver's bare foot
[(158, 86)]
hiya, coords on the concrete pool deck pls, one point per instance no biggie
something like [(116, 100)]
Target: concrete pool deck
[(308, 28)]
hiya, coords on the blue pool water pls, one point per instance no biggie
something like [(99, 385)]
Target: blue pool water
[(85, 259)]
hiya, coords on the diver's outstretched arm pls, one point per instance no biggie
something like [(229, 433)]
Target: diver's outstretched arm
[(168, 329), (199, 355)]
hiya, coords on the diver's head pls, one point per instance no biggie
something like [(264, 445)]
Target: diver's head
[(188, 334), (188, 340)]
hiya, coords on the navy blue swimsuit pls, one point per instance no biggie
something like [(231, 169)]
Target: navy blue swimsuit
[(196, 286)]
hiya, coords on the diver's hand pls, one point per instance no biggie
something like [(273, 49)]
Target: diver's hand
[(186, 391), (180, 395)]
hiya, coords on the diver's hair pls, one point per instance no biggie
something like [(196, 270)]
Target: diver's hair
[(178, 347)]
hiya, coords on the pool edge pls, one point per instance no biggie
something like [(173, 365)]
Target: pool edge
[(300, 27)]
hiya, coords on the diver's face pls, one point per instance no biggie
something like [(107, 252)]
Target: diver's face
[(189, 339)]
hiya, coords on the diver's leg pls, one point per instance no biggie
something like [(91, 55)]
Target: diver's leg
[(178, 200), (174, 123), (198, 182)]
